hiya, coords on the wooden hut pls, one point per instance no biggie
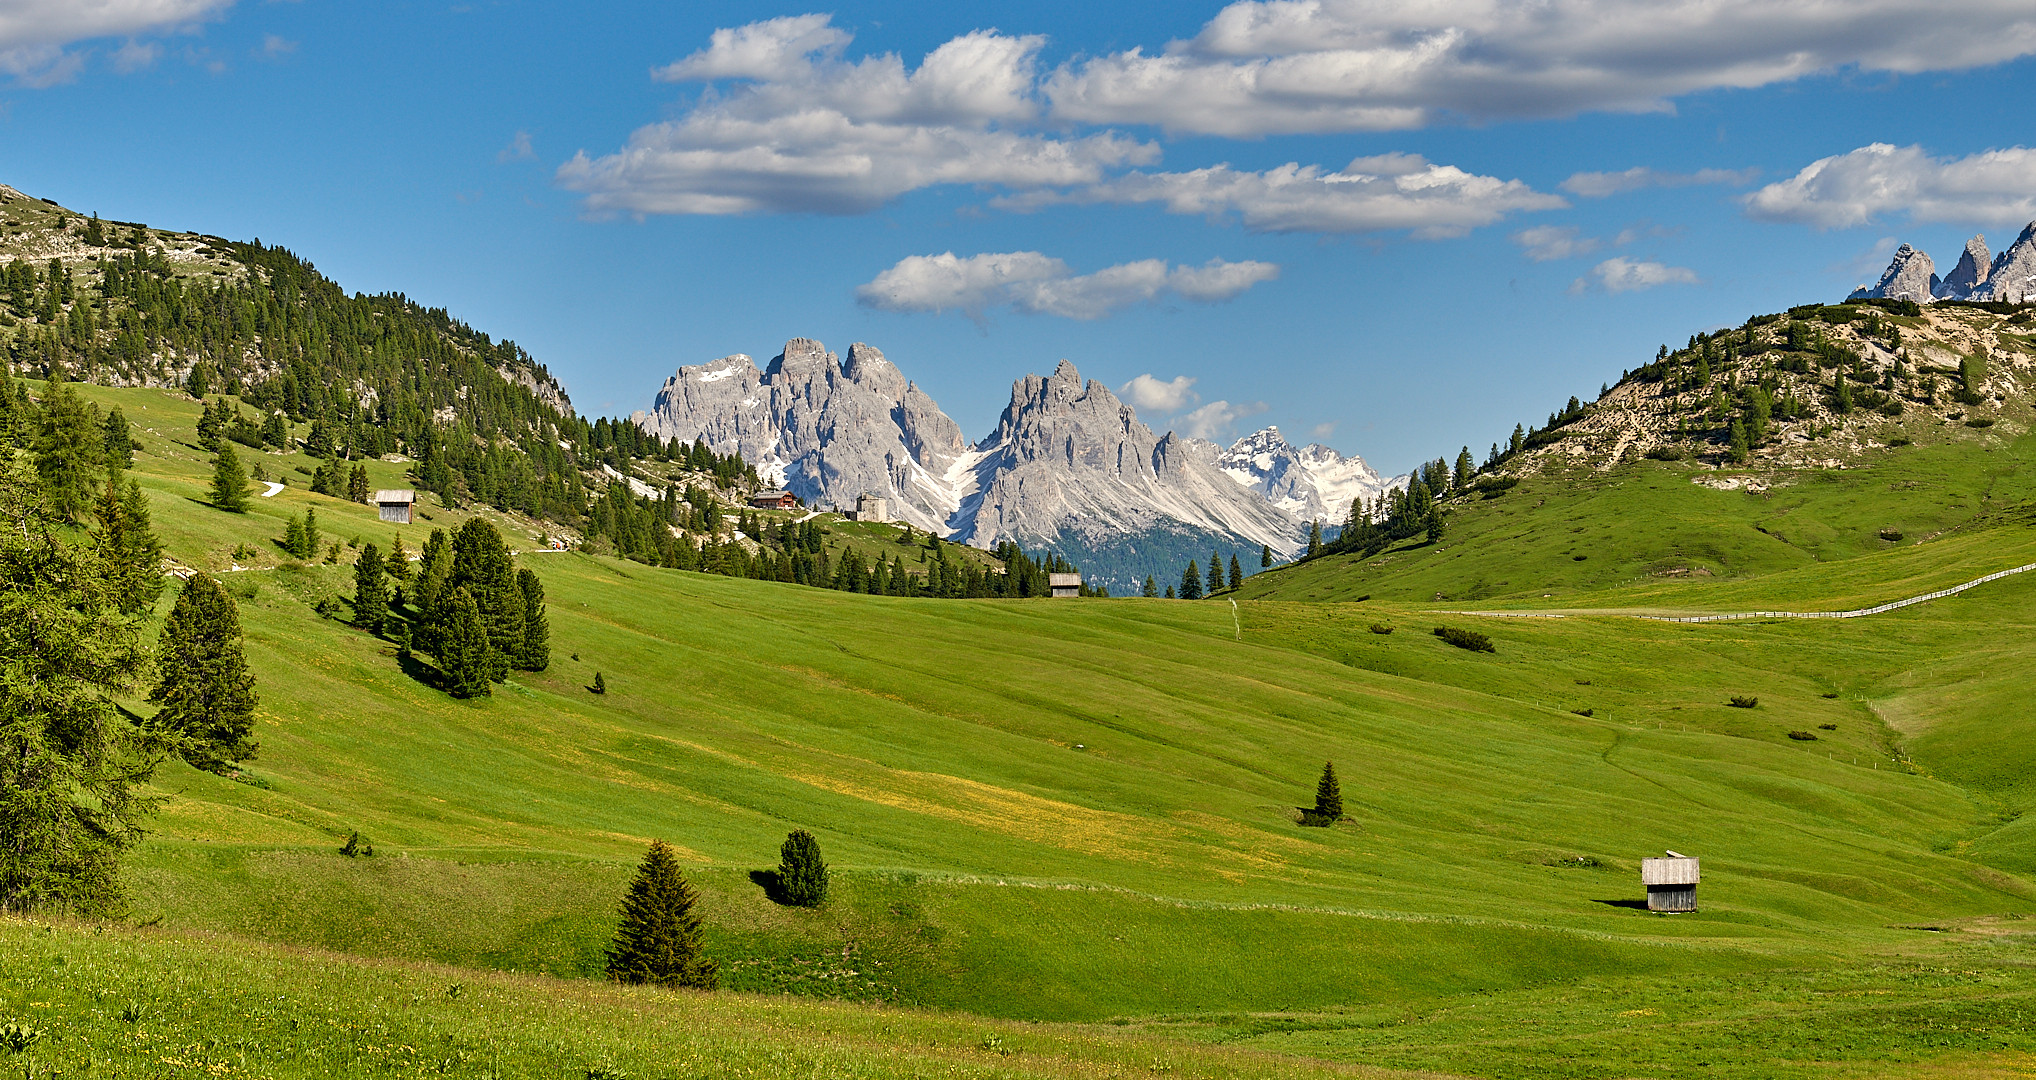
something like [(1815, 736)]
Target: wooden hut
[(395, 504), (1671, 882), (774, 500), (1066, 584)]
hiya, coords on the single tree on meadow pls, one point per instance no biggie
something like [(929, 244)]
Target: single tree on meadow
[(370, 590), (802, 874), (204, 687), (1328, 809), (229, 482), (659, 939)]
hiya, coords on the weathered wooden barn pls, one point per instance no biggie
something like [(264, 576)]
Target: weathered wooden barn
[(395, 504), (1066, 584)]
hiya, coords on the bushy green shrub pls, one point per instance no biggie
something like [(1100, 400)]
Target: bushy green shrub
[(1803, 736), (1465, 639), (1381, 628), (1744, 701), (802, 874)]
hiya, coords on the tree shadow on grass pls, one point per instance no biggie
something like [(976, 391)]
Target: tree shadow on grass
[(421, 671), (767, 880), (1636, 905)]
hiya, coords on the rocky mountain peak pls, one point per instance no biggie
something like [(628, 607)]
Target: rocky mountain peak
[(2013, 277), (867, 367), (1313, 483), (1974, 266), (1910, 276)]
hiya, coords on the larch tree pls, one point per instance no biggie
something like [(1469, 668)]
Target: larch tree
[(536, 652), (119, 449), (129, 547), (463, 653), (370, 590), (229, 482), (204, 687), (659, 939), (69, 450), (73, 770)]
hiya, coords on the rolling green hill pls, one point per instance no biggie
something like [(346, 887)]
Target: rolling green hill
[(1082, 811)]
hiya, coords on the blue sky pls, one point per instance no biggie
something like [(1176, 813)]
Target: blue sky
[(624, 188)]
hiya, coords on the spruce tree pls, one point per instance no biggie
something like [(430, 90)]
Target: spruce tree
[(311, 537), (1315, 537), (536, 652), (482, 566), (357, 485), (1216, 580), (128, 545), (1264, 556), (659, 939), (119, 444), (462, 643), (434, 576), (70, 449), (229, 483), (1170, 593), (1328, 798), (1236, 571), (206, 692), (600, 684), (1151, 590), (370, 590), (1741, 445), (802, 874), (1191, 582)]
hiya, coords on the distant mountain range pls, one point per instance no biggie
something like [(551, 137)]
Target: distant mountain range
[(1911, 275), (1069, 464)]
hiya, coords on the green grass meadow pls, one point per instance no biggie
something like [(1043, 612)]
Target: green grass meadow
[(1067, 829)]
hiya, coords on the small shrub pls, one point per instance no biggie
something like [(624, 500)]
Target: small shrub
[(1900, 441), (1362, 599), (1313, 820), (1491, 487), (1583, 712), (1743, 701), (357, 846), (1891, 534), (1579, 558), (1831, 694), (1827, 727), (1802, 736), (1381, 628), (329, 607), (1465, 639), (1979, 421), (1667, 453), (1583, 682), (600, 684)]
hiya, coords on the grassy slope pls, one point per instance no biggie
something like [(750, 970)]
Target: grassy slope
[(985, 863)]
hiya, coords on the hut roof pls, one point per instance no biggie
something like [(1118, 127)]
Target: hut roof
[(1674, 870), (396, 495)]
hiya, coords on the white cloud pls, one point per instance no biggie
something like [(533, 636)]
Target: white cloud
[(1286, 66), (33, 33), (1323, 430), (519, 149), (1217, 418), (1620, 274), (276, 46), (1037, 284), (1545, 242), (1160, 395), (1860, 187), (1371, 194), (806, 131), (135, 56), (1597, 185)]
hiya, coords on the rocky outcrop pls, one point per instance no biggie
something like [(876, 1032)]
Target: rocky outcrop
[(1313, 482), (1068, 459), (1909, 276), (1970, 273), (2013, 277), (827, 431)]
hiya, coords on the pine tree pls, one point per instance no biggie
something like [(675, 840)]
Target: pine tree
[(802, 875), (69, 449), (482, 566), (1328, 798), (311, 537), (463, 653), (1236, 571), (229, 483), (1216, 579), (128, 545), (536, 652), (357, 485), (659, 939), (1264, 556), (1741, 445), (1315, 538), (293, 537), (119, 444), (205, 690), (370, 590), (600, 684), (1151, 590), (1191, 582)]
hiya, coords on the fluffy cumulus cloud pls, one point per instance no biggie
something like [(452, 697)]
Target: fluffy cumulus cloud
[(1880, 180), (1160, 395), (1037, 284), (1597, 185), (1216, 419), (1620, 274), (34, 33), (803, 129), (1290, 66), (1371, 194)]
